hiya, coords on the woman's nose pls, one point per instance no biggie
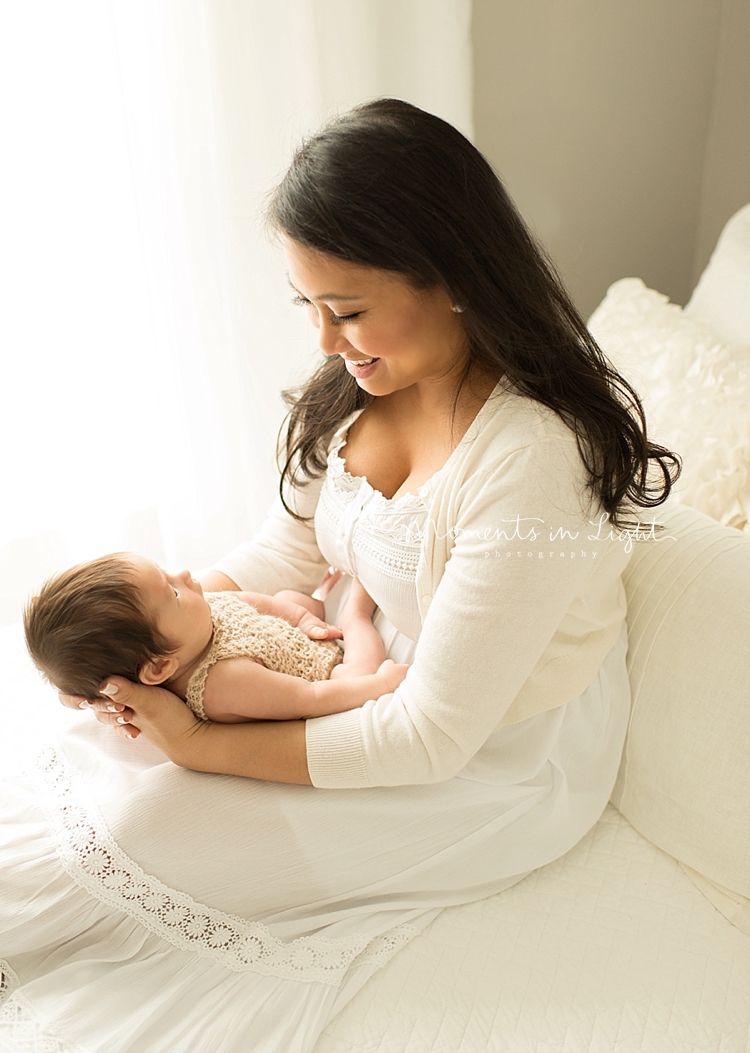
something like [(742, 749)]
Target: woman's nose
[(331, 340)]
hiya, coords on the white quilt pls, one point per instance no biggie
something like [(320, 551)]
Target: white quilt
[(610, 949)]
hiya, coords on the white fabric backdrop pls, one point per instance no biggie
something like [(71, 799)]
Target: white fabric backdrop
[(144, 329)]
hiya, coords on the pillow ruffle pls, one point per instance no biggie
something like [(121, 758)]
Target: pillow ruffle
[(695, 390)]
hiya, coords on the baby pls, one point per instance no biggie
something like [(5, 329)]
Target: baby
[(232, 656)]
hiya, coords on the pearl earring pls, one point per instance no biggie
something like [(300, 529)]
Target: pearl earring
[(456, 308)]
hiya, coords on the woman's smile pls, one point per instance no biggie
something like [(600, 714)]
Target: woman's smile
[(389, 334), (361, 368)]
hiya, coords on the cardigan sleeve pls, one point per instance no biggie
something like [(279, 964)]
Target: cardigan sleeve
[(284, 554), (524, 554)]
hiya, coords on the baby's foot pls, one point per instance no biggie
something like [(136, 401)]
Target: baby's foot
[(332, 576)]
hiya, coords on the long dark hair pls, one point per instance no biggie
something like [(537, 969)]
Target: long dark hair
[(390, 186)]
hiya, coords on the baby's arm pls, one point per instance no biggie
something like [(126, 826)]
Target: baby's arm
[(240, 689), (299, 610), (363, 648)]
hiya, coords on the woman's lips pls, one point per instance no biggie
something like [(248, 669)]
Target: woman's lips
[(361, 368)]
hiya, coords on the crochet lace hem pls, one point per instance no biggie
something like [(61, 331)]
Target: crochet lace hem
[(95, 862), (21, 1032), (8, 981)]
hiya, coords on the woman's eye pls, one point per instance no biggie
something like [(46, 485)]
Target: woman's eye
[(336, 319)]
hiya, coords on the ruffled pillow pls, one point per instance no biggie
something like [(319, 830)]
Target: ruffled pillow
[(695, 390)]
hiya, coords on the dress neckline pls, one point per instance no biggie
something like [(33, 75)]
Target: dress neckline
[(338, 462)]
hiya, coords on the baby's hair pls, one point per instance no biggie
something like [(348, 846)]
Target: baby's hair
[(89, 623)]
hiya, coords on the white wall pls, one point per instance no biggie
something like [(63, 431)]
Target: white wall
[(596, 113), (726, 175)]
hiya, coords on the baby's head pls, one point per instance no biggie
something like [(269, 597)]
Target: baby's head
[(119, 615)]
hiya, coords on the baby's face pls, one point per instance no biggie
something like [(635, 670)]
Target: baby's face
[(177, 603)]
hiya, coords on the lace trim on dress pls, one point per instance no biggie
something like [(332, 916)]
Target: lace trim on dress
[(349, 484), (96, 863), (399, 518), (8, 981), (20, 1031), (398, 563)]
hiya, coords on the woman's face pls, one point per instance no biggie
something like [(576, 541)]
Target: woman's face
[(390, 335)]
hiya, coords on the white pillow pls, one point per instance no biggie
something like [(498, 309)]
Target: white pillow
[(721, 298), (695, 390), (684, 781)]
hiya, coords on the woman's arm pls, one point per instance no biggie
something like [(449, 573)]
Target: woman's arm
[(513, 613), (215, 581), (269, 750), (284, 554)]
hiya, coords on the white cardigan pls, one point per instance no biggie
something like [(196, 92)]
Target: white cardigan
[(518, 588)]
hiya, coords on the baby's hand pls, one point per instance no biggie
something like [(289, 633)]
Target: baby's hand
[(317, 629), (391, 674)]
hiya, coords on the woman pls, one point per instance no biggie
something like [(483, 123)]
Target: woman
[(464, 450)]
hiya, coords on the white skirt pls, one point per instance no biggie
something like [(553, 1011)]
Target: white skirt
[(149, 908)]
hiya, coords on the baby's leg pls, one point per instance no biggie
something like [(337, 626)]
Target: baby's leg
[(363, 649), (313, 606)]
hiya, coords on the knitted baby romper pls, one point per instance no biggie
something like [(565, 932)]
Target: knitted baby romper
[(241, 632)]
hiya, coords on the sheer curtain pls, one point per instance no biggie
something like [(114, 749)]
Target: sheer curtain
[(145, 330)]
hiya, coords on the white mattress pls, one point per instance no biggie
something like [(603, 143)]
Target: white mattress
[(611, 949)]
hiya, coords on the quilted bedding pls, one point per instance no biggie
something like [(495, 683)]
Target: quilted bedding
[(610, 949)]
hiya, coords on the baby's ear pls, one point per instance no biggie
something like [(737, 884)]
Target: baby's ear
[(157, 670)]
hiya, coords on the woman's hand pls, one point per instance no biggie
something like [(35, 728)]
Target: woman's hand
[(272, 750), (105, 711), (131, 708), (158, 714)]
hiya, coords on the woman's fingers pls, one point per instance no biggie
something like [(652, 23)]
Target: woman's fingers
[(76, 701), (106, 711), (127, 732), (97, 705), (162, 715), (123, 697), (156, 713)]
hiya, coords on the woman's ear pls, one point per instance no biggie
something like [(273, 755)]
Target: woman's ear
[(157, 670)]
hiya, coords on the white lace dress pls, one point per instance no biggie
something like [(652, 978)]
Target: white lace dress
[(149, 909)]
